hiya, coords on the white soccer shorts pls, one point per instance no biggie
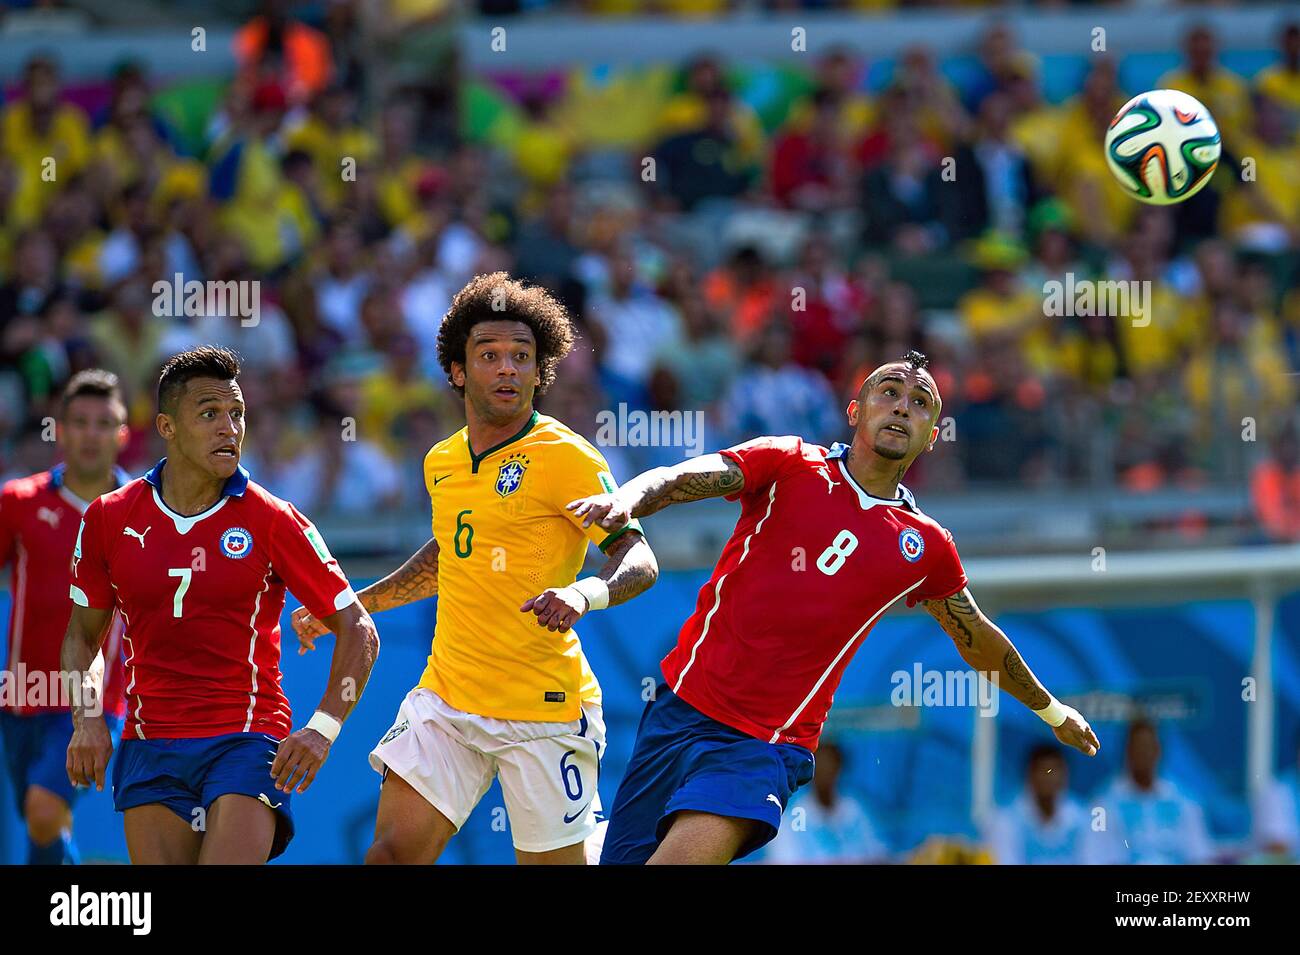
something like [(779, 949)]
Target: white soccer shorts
[(548, 770)]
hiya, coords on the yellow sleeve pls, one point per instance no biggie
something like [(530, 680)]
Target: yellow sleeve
[(583, 471)]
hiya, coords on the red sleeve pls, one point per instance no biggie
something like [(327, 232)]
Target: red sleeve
[(762, 460), (8, 525), (786, 167), (946, 575), (304, 563), (91, 586)]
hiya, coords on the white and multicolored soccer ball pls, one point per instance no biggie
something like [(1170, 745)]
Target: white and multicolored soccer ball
[(1163, 146)]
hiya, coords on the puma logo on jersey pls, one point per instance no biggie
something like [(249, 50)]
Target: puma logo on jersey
[(825, 472), (48, 516), (132, 532), (261, 797), (771, 797)]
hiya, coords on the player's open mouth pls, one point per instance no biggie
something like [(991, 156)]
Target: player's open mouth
[(226, 452), (507, 392), (897, 428)]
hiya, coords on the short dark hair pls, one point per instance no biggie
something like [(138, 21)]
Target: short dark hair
[(206, 361), (1142, 723), (1041, 752), (916, 359), (913, 359), (496, 297), (91, 383)]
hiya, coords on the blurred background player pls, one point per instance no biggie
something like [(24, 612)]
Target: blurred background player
[(1149, 820), (1044, 825), (197, 558), (729, 738), (503, 694), (39, 516), (824, 825)]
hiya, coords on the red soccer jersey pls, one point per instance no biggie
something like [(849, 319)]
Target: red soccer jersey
[(812, 564), (38, 528), (202, 598)]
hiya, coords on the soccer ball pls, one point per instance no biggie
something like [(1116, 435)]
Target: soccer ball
[(1163, 146)]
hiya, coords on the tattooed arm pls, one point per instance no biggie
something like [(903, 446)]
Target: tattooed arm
[(987, 649), (414, 580), (709, 475), (630, 568)]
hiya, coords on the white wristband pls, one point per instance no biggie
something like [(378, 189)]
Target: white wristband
[(595, 590), (1054, 713), (325, 724)]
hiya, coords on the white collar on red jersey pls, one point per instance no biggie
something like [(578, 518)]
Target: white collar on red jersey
[(57, 484), (840, 451), (235, 486)]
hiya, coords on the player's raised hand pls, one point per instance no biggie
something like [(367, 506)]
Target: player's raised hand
[(299, 759), (557, 609), (308, 628), (1076, 732), (88, 753), (607, 510)]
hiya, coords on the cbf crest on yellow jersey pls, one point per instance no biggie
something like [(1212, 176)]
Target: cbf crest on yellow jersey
[(503, 536)]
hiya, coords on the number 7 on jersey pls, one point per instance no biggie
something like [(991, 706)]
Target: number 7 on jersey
[(184, 573)]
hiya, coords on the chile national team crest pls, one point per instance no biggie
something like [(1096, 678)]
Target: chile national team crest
[(236, 542), (912, 544), (511, 474)]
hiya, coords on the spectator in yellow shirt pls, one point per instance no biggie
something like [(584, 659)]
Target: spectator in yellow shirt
[(331, 136), (1281, 81), (1102, 209), (37, 129), (541, 148), (689, 110), (1239, 371), (398, 169), (839, 74), (1264, 212), (395, 392), (1002, 308), (246, 176), (1223, 92)]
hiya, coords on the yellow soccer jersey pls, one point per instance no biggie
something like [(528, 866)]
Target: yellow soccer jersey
[(504, 536)]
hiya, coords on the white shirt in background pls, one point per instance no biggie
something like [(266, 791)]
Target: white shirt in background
[(812, 834), (1018, 834), (1160, 826)]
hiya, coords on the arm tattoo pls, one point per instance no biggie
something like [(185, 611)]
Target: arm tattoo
[(958, 616), (631, 568), (414, 580), (690, 481), (1034, 696), (980, 643)]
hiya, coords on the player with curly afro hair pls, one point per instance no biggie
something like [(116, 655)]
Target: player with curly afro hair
[(503, 561), (494, 299)]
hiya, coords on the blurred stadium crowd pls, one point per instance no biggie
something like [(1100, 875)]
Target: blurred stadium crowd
[(712, 263), (1142, 816)]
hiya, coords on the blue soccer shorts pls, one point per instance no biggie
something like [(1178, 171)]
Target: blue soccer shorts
[(684, 760)]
